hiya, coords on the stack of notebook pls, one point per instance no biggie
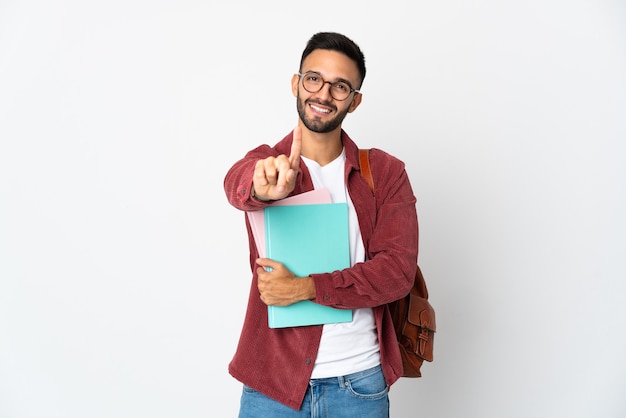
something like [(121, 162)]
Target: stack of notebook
[(308, 234)]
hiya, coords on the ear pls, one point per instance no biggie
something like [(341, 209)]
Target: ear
[(356, 101), (295, 80)]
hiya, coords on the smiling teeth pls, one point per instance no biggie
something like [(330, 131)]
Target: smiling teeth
[(318, 109)]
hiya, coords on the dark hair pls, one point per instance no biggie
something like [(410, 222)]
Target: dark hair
[(336, 42)]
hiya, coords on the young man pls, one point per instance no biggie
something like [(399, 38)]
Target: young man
[(335, 370)]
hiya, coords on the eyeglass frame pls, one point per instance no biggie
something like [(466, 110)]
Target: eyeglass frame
[(301, 75)]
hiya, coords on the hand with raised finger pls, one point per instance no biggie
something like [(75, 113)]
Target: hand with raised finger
[(275, 177)]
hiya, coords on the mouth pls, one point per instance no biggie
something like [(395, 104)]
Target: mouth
[(320, 109)]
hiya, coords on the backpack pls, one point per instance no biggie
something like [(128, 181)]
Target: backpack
[(413, 316)]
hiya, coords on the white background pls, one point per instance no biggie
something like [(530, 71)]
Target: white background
[(123, 270)]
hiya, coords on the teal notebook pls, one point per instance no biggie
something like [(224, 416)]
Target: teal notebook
[(307, 239)]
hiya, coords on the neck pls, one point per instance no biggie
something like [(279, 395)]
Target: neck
[(322, 148)]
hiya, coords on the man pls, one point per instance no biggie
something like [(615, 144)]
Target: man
[(335, 370)]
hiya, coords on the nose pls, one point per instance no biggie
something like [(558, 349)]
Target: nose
[(325, 92)]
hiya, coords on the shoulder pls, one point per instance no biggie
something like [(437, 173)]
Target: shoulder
[(381, 160), (389, 173)]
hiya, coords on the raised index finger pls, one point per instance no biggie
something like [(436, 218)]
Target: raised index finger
[(296, 148)]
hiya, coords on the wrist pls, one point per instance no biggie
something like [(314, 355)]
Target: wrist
[(255, 197), (307, 288)]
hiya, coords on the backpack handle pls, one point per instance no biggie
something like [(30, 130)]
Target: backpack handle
[(366, 171)]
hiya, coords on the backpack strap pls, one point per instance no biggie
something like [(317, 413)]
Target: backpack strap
[(366, 171)]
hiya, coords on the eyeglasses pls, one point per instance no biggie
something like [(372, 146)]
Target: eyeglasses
[(313, 82)]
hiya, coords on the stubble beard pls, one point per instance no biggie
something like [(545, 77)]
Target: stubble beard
[(316, 124)]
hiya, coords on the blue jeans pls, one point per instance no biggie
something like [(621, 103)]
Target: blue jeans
[(358, 395)]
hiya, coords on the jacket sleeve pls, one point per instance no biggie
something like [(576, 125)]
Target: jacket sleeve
[(238, 180), (390, 234)]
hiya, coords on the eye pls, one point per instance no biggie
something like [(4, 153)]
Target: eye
[(341, 87), (314, 78)]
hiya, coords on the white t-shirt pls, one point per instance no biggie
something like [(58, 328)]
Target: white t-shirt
[(353, 346)]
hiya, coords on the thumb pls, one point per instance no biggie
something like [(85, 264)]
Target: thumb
[(268, 263)]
